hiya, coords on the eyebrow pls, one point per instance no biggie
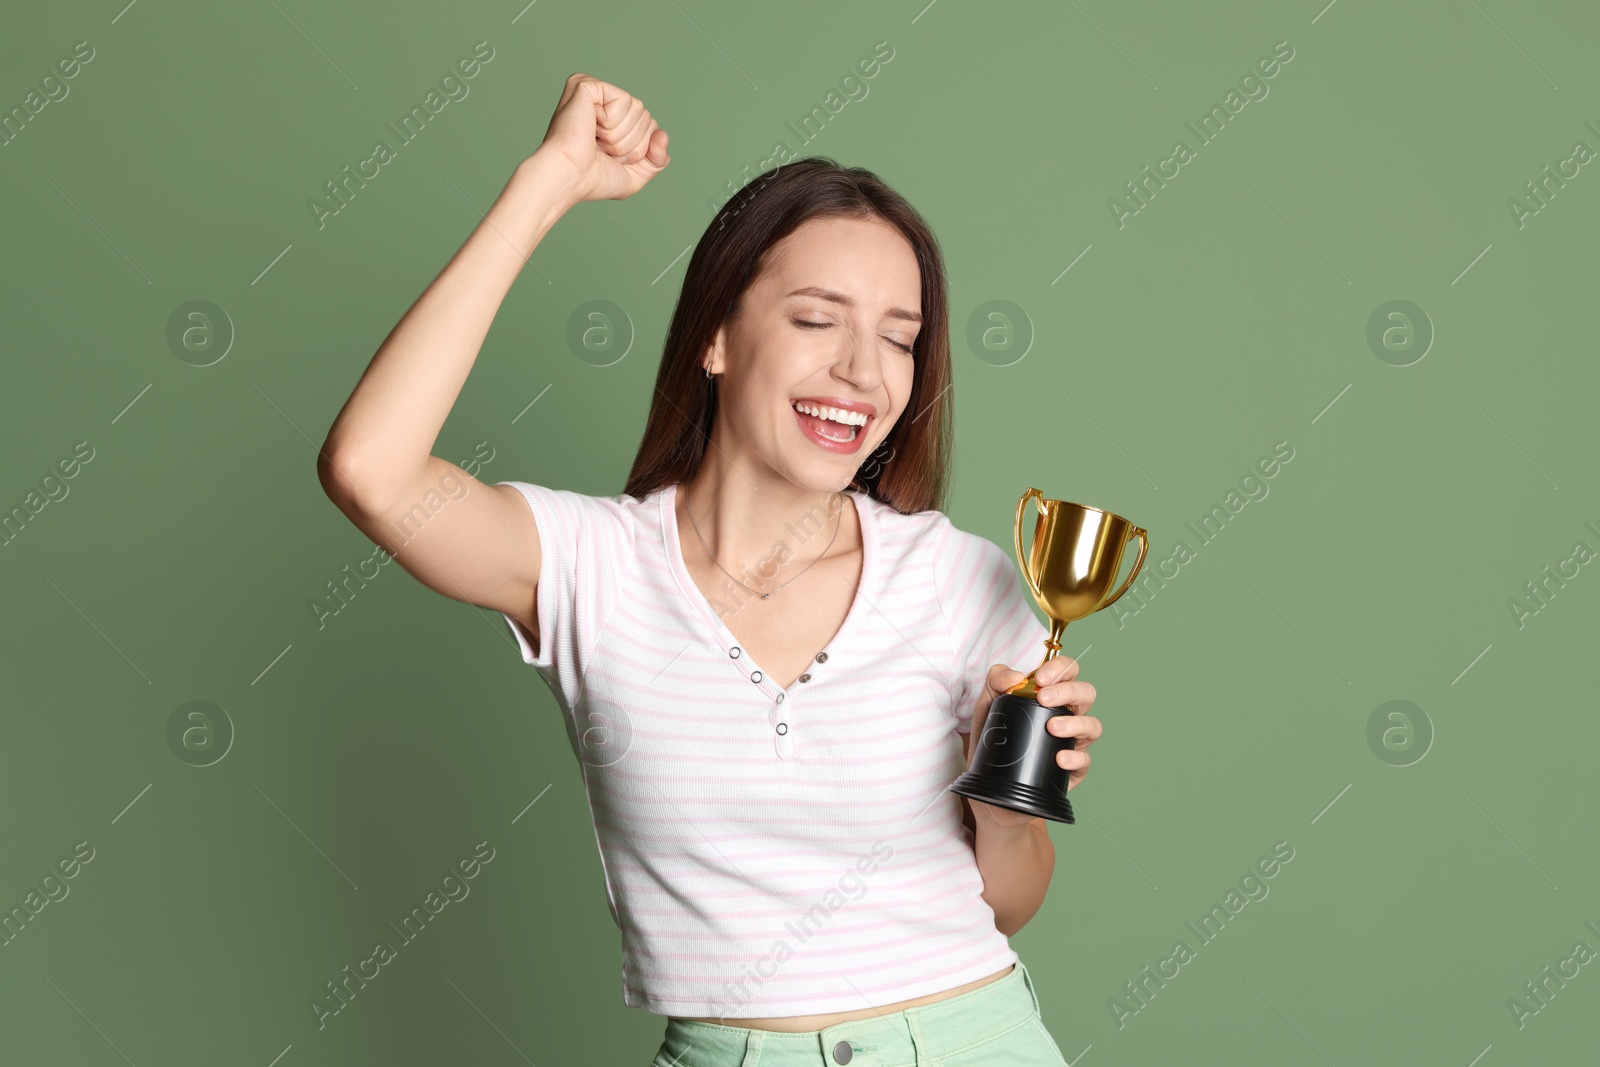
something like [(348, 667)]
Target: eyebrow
[(840, 298)]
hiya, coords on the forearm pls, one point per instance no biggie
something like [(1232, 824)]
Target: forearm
[(383, 436), (1016, 863)]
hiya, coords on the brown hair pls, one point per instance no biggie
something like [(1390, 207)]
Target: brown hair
[(910, 470)]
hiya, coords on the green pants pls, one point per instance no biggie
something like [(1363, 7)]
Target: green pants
[(998, 1024)]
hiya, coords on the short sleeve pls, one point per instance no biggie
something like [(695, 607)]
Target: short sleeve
[(585, 547), (989, 613)]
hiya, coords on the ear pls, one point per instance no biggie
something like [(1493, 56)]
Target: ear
[(715, 359)]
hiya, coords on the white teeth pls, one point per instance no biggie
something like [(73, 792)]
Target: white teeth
[(848, 418)]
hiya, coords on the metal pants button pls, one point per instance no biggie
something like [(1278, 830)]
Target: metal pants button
[(842, 1052)]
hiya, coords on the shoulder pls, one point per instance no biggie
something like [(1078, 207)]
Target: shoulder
[(970, 571), (616, 515), (916, 535), (617, 503), (929, 539)]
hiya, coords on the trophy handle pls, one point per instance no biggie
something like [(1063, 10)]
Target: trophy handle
[(1144, 545), (1022, 557)]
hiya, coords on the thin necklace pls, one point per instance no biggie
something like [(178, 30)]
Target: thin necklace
[(837, 521)]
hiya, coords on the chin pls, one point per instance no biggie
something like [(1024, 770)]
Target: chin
[(821, 481)]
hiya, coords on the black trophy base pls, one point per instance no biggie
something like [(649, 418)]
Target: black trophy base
[(1015, 765)]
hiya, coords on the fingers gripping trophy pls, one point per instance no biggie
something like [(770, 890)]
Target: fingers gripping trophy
[(1071, 566)]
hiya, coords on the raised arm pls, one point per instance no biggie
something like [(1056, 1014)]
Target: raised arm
[(469, 541)]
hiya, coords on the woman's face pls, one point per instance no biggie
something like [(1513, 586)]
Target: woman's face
[(827, 324)]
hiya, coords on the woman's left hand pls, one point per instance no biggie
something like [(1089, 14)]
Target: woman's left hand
[(1059, 685)]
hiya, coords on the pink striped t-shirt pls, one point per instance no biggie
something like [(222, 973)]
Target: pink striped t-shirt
[(767, 851)]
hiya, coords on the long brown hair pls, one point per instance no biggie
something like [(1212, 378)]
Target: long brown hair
[(910, 470)]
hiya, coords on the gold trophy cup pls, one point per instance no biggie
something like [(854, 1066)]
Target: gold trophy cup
[(1076, 554)]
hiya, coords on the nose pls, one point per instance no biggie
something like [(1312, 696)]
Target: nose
[(860, 362)]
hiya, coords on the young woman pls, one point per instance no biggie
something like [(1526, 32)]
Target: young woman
[(772, 649)]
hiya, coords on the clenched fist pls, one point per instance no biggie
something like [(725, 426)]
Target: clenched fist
[(604, 139)]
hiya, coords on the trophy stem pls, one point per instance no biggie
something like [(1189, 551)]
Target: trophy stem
[(1028, 688)]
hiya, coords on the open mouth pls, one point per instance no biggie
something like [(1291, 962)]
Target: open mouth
[(832, 428)]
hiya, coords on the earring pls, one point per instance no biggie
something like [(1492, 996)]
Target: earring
[(708, 373)]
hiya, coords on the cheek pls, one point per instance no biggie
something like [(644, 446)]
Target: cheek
[(905, 378)]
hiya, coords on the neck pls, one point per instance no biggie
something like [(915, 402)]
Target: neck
[(762, 526)]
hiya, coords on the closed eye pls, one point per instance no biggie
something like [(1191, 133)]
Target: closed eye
[(824, 325)]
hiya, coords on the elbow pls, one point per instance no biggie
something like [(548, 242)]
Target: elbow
[(328, 473), (1011, 925), (336, 473)]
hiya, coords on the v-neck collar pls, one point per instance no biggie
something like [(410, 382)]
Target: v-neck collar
[(744, 662)]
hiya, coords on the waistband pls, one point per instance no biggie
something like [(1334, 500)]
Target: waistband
[(924, 1034)]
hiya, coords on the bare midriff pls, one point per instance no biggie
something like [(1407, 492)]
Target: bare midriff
[(806, 1023)]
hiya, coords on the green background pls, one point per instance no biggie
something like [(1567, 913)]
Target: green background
[(1230, 313)]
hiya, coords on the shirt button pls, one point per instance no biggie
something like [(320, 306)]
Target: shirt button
[(783, 727), (842, 1052), (755, 676), (734, 652), (822, 657), (780, 698), (805, 677)]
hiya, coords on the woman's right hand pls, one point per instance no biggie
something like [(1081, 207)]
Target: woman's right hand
[(605, 139)]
